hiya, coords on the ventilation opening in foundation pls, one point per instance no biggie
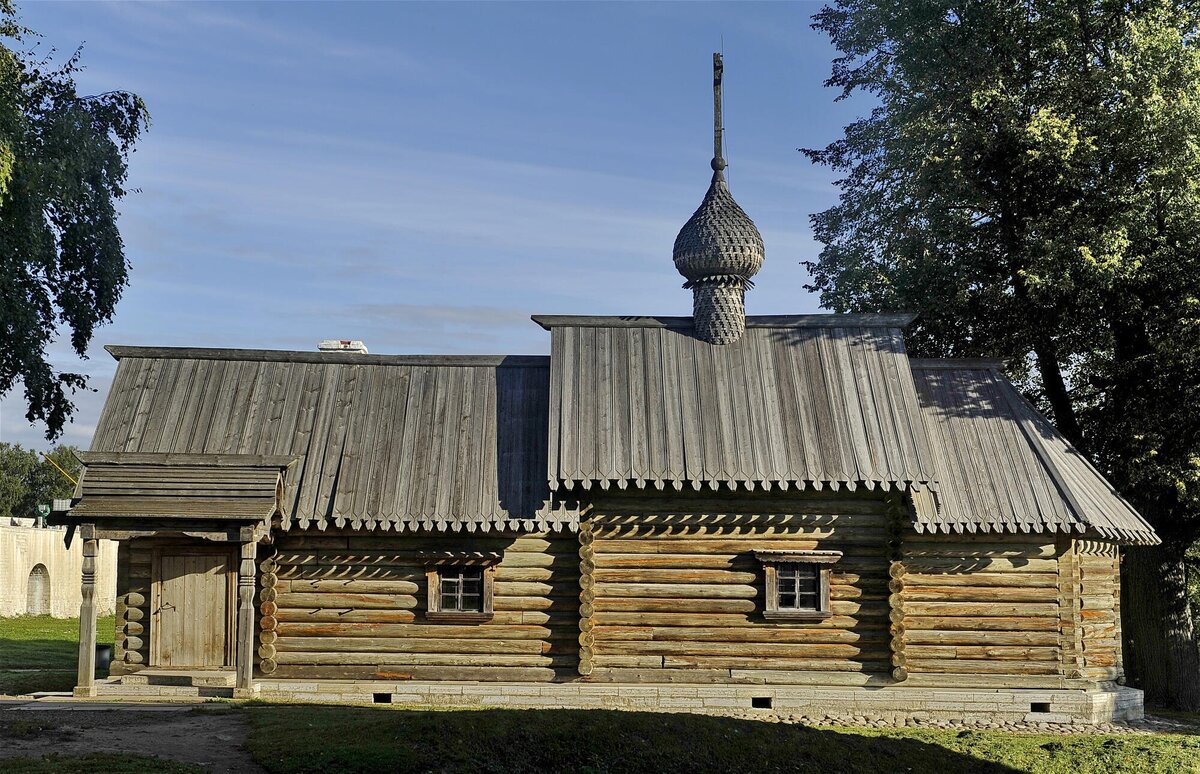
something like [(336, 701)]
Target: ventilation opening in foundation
[(382, 698), (760, 702), (1039, 706)]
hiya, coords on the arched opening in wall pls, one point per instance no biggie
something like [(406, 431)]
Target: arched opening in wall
[(37, 595)]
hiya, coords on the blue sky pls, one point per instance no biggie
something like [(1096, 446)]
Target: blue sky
[(426, 176)]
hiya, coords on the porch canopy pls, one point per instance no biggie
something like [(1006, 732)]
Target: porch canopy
[(218, 496)]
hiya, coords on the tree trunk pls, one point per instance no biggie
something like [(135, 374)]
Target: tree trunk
[(1161, 653), (1057, 395)]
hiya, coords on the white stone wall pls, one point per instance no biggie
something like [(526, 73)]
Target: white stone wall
[(23, 548)]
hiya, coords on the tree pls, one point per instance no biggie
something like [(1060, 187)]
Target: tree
[(1029, 183), (27, 480), (63, 164)]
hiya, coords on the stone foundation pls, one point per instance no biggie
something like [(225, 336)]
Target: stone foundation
[(890, 704), (894, 705)]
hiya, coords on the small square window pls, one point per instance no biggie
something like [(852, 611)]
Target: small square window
[(459, 592), (796, 584)]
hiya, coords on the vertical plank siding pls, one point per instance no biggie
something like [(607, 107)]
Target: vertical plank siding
[(352, 605)]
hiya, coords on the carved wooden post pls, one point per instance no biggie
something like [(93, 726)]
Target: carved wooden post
[(245, 625), (85, 684)]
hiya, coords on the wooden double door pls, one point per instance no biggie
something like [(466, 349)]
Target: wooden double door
[(192, 607)]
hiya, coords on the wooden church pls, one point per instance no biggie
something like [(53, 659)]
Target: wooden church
[(708, 512)]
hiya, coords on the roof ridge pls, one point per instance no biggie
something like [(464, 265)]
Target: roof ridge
[(341, 358), (964, 363), (830, 320)]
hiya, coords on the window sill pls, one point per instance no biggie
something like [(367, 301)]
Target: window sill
[(450, 615), (796, 615)]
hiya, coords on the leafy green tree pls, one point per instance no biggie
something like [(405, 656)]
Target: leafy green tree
[(63, 164), (28, 480), (1029, 182)]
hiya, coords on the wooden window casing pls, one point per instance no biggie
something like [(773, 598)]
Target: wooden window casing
[(796, 584), (460, 592)]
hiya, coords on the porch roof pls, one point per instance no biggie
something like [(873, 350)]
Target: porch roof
[(123, 486)]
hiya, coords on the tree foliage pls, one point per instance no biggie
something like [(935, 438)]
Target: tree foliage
[(28, 480), (63, 165), (1029, 183)]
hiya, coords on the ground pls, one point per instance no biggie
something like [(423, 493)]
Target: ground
[(259, 737), (39, 653)]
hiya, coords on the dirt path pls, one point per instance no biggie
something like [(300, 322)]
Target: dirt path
[(211, 736)]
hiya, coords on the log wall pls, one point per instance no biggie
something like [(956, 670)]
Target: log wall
[(1100, 609), (981, 604), (352, 606), (131, 644), (678, 595)]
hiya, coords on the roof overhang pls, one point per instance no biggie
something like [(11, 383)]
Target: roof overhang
[(127, 494)]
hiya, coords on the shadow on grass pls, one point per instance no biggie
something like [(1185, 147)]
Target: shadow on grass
[(310, 738), (38, 653)]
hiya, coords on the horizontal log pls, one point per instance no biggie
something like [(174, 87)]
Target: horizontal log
[(436, 631), (658, 675), (563, 604), (749, 662), (410, 645), (980, 623), (757, 634), (356, 586), (997, 652), (837, 621), (956, 550), (915, 593), (701, 576), (982, 609), (698, 606), (383, 660), (649, 507), (968, 666), (990, 579), (931, 564), (832, 651), (919, 637), (715, 544), (677, 590), (348, 615), (414, 672), (331, 600)]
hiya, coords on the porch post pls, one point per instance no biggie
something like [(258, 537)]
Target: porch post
[(245, 625), (85, 684)]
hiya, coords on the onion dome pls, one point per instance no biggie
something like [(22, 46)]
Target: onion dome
[(719, 249)]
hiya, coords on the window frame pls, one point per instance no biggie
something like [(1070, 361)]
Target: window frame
[(771, 561), (434, 567)]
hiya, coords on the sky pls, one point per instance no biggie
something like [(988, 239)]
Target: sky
[(424, 177)]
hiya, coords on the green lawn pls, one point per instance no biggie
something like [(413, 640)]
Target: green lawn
[(96, 763), (50, 645), (304, 738), (359, 739)]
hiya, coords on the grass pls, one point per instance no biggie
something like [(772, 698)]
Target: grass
[(96, 763), (48, 645), (358, 739)]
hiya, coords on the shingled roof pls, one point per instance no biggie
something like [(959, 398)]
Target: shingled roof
[(381, 441), (493, 442), (1002, 467), (808, 401)]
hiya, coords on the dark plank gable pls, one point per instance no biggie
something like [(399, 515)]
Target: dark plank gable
[(796, 403), (419, 443)]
